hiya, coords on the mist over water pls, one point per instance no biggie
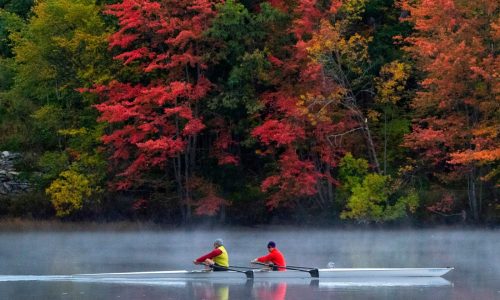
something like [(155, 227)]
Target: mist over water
[(473, 253)]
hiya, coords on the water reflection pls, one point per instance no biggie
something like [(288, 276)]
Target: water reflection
[(270, 291), (266, 290), (249, 290), (385, 282), (210, 291), (219, 289)]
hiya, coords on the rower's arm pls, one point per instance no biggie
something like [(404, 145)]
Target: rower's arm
[(265, 258), (214, 253)]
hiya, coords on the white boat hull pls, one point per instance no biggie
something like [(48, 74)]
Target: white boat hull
[(258, 274)]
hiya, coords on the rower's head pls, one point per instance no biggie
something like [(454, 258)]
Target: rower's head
[(270, 246), (218, 243)]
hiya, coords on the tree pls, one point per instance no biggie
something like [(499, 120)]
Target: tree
[(455, 45), (69, 192), (18, 7), (289, 131), (59, 49), (154, 119), (320, 82), (372, 197), (343, 54), (10, 23), (391, 105)]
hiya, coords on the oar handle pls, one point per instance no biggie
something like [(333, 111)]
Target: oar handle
[(268, 265), (262, 264), (241, 267)]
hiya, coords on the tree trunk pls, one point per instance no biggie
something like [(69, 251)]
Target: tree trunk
[(178, 179), (385, 142), (472, 194), (222, 215), (360, 117), (330, 187), (181, 188), (372, 153), (186, 187), (371, 148)]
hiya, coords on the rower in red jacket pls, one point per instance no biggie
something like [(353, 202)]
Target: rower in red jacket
[(275, 257)]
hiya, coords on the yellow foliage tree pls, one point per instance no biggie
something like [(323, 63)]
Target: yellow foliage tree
[(68, 192), (345, 62), (392, 82)]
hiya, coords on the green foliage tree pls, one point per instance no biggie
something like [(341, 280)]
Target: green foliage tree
[(390, 112), (61, 48), (372, 197), (18, 7), (9, 121), (351, 173)]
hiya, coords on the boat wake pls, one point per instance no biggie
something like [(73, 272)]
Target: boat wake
[(4, 278)]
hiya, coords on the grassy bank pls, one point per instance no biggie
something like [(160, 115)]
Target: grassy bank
[(17, 224)]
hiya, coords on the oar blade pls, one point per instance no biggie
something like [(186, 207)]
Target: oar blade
[(314, 273), (249, 274)]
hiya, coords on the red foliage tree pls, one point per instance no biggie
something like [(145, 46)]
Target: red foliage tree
[(296, 127), (223, 143), (156, 122)]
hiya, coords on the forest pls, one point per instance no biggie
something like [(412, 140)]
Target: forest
[(252, 112)]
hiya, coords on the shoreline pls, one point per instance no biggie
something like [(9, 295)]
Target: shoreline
[(20, 225)]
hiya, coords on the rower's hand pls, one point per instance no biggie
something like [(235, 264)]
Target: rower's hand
[(254, 261), (195, 262)]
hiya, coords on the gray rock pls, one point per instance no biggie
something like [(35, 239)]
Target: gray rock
[(7, 187), (9, 182)]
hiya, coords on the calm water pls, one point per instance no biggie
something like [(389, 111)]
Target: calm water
[(474, 253)]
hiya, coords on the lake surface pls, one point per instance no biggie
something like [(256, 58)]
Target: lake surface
[(475, 254)]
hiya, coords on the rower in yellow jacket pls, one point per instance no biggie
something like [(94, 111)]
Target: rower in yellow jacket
[(217, 259)]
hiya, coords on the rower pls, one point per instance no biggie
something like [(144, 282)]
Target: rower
[(275, 258), (217, 259)]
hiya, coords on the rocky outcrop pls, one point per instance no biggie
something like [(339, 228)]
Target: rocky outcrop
[(9, 178)]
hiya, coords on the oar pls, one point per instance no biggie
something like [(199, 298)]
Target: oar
[(313, 271), (301, 267), (248, 273), (241, 267)]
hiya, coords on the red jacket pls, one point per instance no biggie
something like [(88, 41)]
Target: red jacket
[(212, 254), (275, 257)]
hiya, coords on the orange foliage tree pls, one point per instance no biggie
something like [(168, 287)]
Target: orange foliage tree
[(455, 44)]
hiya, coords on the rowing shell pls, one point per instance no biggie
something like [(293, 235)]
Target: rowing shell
[(324, 283), (261, 274)]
